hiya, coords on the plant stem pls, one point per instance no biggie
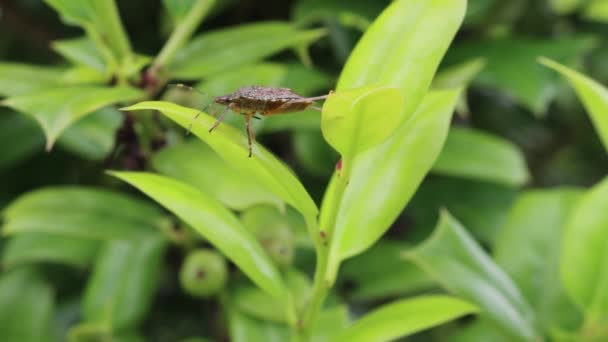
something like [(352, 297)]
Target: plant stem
[(321, 283), (182, 33)]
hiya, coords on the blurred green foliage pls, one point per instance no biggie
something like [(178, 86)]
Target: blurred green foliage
[(345, 224)]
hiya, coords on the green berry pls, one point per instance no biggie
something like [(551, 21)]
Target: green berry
[(203, 273)]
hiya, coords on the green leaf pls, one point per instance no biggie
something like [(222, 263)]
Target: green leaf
[(596, 10), (44, 247), (403, 48), (18, 79), (330, 323), (459, 75), (81, 51), (214, 222), (478, 155), (20, 138), (93, 136), (566, 6), (26, 306), (81, 212), (453, 258), (198, 165), (511, 69), (593, 95), (584, 265), (405, 317), (120, 291), (101, 22), (534, 229), (58, 108), (244, 328), (222, 50), (252, 301), (231, 145), (369, 207), (482, 330), (390, 278), (356, 120), (178, 9)]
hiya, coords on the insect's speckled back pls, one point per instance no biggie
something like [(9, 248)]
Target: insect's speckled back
[(260, 93)]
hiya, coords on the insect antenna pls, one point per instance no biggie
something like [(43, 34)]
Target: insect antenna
[(204, 109)]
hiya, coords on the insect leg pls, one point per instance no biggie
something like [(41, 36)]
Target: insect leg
[(192, 122), (250, 136), (219, 120)]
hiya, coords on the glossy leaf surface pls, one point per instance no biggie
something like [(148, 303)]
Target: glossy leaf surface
[(593, 95), (534, 229), (358, 119), (403, 48), (405, 317), (369, 204), (459, 264), (215, 223), (198, 165), (584, 268), (58, 108), (478, 155), (231, 145)]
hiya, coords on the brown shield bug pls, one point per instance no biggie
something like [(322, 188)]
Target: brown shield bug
[(251, 100)]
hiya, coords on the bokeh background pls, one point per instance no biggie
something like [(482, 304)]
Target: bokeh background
[(512, 103)]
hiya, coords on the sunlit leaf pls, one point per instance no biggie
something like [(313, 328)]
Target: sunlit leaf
[(231, 145), (534, 228), (459, 264), (222, 50), (584, 268), (477, 155), (58, 108), (18, 79), (370, 205), (596, 10), (593, 95), (214, 222), (358, 119), (565, 6), (405, 317), (403, 48), (198, 165)]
